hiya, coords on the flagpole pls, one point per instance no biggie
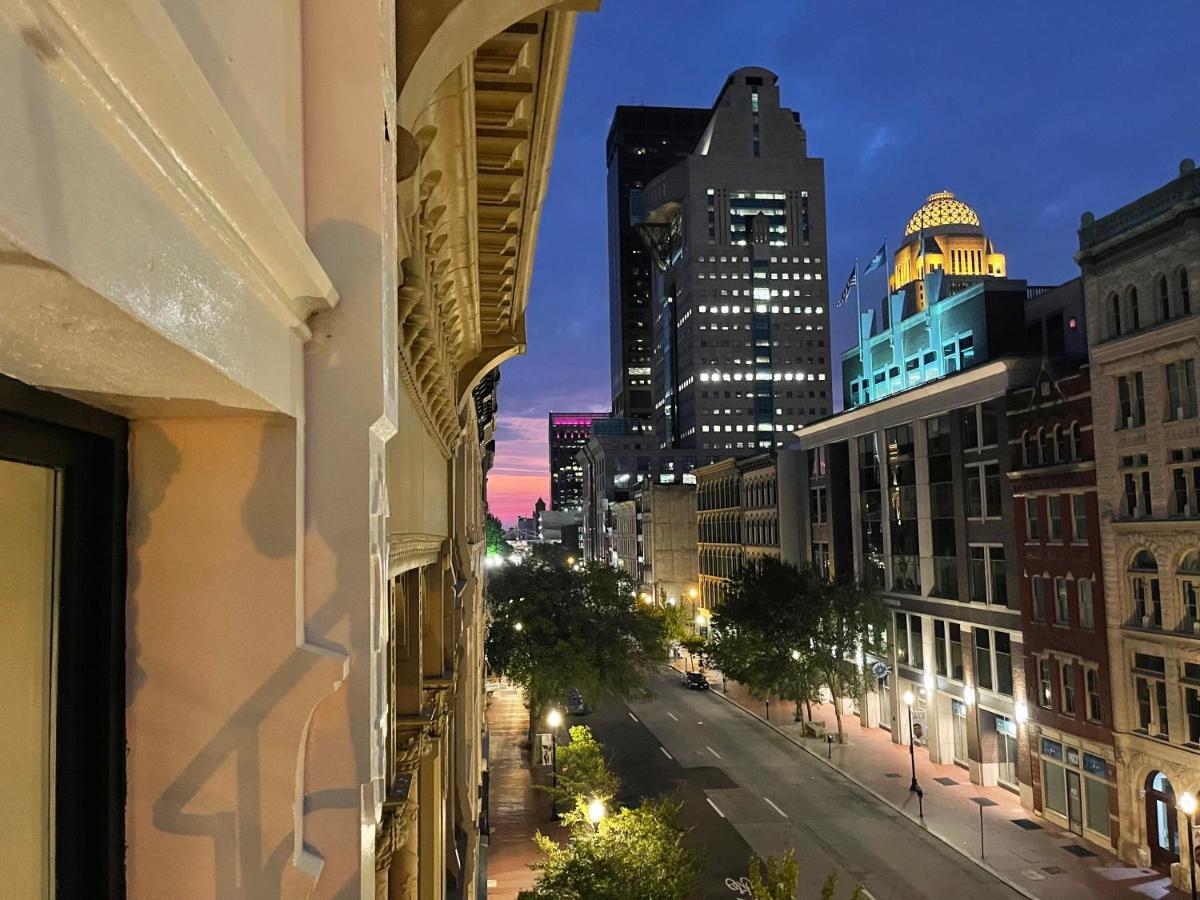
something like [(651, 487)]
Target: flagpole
[(887, 269), (858, 318)]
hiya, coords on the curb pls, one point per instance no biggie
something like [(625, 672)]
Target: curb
[(982, 864)]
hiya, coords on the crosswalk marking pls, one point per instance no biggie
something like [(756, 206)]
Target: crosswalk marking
[(712, 751), (715, 807), (665, 753)]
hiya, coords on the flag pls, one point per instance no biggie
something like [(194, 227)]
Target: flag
[(850, 283), (876, 260)]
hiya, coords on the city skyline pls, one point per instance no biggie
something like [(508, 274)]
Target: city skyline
[(1029, 185)]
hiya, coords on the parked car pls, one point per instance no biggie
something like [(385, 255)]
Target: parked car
[(574, 704), (694, 680)]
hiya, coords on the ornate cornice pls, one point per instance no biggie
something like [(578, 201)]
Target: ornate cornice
[(410, 551)]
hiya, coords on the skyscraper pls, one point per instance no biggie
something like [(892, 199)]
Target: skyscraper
[(741, 319), (569, 433), (643, 141)]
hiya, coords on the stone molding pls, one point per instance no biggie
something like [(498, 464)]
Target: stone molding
[(411, 551)]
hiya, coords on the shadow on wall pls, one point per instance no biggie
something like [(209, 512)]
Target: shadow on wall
[(212, 610)]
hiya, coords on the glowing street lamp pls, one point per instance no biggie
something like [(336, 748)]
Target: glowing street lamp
[(693, 593), (596, 812), (570, 560), (517, 626), (554, 719), (796, 655), (1187, 806)]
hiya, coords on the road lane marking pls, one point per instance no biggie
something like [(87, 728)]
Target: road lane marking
[(774, 807), (665, 753), (632, 716), (672, 715), (712, 751), (716, 808)]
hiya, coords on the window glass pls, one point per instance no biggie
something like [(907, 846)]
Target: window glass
[(1054, 787), (983, 658), (1096, 804)]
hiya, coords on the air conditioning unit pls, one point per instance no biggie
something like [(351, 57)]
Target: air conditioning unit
[(1196, 626), (1129, 421), (1145, 621), (1179, 412)]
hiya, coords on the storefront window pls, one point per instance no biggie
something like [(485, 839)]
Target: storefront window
[(1054, 778), (1095, 800)]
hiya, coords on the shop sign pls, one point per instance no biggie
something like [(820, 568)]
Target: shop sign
[(1095, 765), (1052, 749)]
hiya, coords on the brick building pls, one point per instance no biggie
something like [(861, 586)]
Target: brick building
[(1058, 558)]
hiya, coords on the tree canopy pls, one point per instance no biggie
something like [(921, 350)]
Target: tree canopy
[(790, 632), (632, 854), (496, 543), (558, 628), (583, 772)]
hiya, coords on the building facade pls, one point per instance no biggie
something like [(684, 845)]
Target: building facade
[(666, 519), (569, 433), (942, 314), (643, 142), (1140, 266), (740, 310), (744, 512), (250, 295), (909, 493), (1056, 522)]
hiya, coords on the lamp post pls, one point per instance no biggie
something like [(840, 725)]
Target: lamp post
[(596, 812), (554, 720), (912, 755), (1187, 806)]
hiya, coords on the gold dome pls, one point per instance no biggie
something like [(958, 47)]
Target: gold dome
[(942, 208)]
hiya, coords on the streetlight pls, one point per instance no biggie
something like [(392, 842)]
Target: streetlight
[(912, 756), (1187, 806), (570, 560), (796, 655), (595, 812), (693, 593), (517, 626), (554, 720)]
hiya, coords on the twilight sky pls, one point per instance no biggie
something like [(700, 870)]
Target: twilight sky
[(1031, 112)]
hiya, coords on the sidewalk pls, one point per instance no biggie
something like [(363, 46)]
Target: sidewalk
[(1032, 855), (516, 809)]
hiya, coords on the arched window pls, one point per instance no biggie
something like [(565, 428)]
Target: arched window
[(1045, 451), (1164, 299), (1144, 588), (1135, 317), (1189, 591), (1076, 441), (1029, 440), (1185, 294), (1114, 315), (1061, 450)]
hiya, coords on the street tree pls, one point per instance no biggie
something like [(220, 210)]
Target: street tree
[(761, 634), (632, 854), (846, 615), (583, 772), (496, 543), (777, 878), (558, 628)]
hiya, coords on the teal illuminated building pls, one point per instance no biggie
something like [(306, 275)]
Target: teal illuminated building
[(950, 306)]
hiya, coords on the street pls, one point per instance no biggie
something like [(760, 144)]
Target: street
[(746, 788)]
